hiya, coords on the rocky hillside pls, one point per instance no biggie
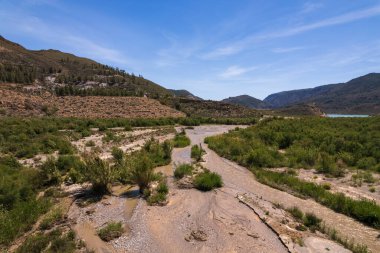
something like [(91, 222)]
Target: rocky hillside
[(52, 68), (15, 103), (360, 95), (247, 101)]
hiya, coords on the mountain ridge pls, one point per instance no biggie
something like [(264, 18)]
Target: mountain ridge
[(359, 95), (246, 100)]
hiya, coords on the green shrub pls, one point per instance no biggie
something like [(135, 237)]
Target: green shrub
[(296, 213), (34, 244), (182, 170), (90, 143), (366, 163), (262, 157), (111, 231), (181, 140), (141, 171), (66, 162), (311, 221), (163, 188), (117, 154), (157, 198), (51, 218), (207, 181), (99, 173), (197, 152), (326, 186), (367, 212)]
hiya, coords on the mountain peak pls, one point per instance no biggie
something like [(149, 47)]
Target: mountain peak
[(247, 101)]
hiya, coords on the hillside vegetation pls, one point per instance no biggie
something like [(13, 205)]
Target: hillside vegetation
[(209, 108), (54, 68), (247, 101)]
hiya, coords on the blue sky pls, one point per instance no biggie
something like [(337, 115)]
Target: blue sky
[(213, 48)]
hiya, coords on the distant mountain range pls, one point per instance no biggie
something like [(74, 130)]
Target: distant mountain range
[(360, 95)]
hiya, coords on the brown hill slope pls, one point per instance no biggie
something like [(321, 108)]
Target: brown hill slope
[(15, 103)]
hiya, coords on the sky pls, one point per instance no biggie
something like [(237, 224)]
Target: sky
[(213, 48)]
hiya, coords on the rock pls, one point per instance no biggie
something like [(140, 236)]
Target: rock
[(90, 211), (185, 183), (199, 235), (253, 235)]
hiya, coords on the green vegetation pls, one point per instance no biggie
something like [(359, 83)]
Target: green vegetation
[(314, 223), (181, 140), (329, 145), (52, 242), (25, 138), (51, 218), (197, 152), (99, 173), (308, 142), (19, 207), (111, 231), (182, 170), (310, 220), (207, 181), (365, 211), (160, 195)]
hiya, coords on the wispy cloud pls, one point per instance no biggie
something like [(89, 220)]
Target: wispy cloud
[(177, 51), (242, 44), (23, 23), (235, 70), (281, 50), (310, 7)]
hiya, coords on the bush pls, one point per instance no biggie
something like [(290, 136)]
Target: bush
[(182, 170), (207, 181), (141, 171), (163, 188), (311, 221), (51, 218), (157, 198), (197, 152), (99, 173), (118, 155), (366, 163), (181, 140), (111, 231), (296, 213), (90, 144)]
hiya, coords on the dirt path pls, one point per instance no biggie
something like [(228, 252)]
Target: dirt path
[(241, 180)]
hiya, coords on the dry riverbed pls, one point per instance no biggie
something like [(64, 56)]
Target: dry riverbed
[(242, 216)]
